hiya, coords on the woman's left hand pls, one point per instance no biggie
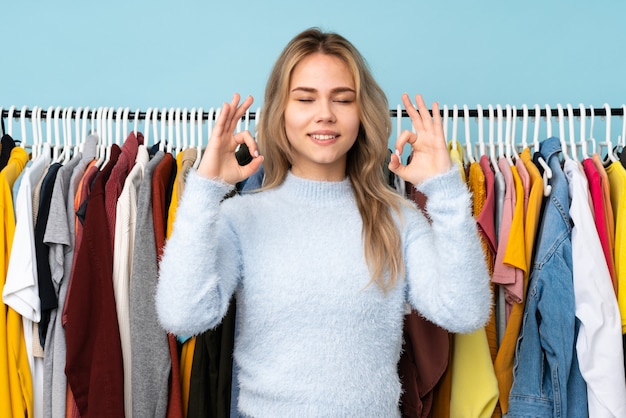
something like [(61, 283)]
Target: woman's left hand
[(430, 155)]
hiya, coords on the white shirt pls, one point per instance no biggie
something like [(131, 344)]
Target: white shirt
[(599, 344)]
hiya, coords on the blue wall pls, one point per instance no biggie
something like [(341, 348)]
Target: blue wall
[(197, 53)]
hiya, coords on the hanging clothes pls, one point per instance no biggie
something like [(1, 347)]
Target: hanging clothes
[(550, 315), (16, 386), (94, 354), (151, 358)]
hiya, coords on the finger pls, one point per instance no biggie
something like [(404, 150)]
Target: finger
[(414, 115), (405, 137), (396, 166), (437, 120), (248, 139), (240, 110), (425, 116), (252, 167), (221, 121), (394, 162)]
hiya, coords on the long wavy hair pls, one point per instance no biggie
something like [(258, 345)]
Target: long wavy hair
[(364, 166)]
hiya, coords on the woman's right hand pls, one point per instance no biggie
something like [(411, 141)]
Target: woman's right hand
[(218, 159)]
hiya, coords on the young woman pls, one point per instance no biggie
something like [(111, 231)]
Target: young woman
[(325, 255)]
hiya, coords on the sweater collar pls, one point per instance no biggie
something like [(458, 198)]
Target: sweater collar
[(316, 190)]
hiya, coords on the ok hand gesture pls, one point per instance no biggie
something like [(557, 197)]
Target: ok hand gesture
[(218, 160), (430, 153)]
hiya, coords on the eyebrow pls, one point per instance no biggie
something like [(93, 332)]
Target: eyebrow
[(313, 90)]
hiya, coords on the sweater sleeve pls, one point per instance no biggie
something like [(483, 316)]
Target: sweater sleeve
[(447, 277), (200, 266)]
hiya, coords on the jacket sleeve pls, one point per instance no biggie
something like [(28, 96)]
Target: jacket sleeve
[(447, 277), (200, 266)]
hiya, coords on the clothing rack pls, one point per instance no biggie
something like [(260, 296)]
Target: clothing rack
[(141, 115)]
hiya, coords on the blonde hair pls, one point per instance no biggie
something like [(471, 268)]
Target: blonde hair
[(375, 199)]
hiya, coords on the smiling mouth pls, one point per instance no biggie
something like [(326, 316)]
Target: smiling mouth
[(323, 137)]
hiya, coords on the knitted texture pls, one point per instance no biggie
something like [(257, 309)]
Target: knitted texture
[(314, 339)]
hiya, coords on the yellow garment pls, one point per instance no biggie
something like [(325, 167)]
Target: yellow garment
[(474, 390), (457, 157), (617, 183), (474, 387), (16, 384)]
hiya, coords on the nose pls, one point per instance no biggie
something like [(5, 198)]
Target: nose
[(325, 111)]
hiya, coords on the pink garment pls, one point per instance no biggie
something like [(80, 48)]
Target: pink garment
[(594, 180), (485, 219), (509, 277), (524, 176)]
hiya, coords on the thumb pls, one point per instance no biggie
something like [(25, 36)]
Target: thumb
[(252, 167)]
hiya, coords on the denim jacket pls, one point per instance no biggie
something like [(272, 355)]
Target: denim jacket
[(546, 378)]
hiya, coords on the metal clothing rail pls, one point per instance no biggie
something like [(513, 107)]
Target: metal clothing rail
[(160, 113)]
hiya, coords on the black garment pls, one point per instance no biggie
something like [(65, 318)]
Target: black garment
[(6, 145), (211, 372), (47, 293)]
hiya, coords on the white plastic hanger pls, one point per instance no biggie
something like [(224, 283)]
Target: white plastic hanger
[(572, 134), (66, 153), (24, 138), (583, 127), (136, 122), (455, 125), (445, 123), (35, 130), (492, 147), (198, 127), (481, 131), (49, 114), (257, 120), (155, 128), (125, 123), (192, 127), (146, 137), (500, 117), (548, 121), (83, 131), (163, 121), (10, 121), (592, 138), (170, 130), (101, 130), (524, 126), (109, 124), (118, 126), (547, 171), (57, 136), (185, 130), (509, 135), (176, 120), (561, 118), (622, 141), (608, 141), (468, 141)]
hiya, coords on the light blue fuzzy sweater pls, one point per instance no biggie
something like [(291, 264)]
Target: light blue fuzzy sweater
[(313, 339)]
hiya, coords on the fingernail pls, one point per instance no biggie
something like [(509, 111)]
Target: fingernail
[(256, 153), (398, 152)]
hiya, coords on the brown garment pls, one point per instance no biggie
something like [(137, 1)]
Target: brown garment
[(423, 362), (425, 354), (94, 368)]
